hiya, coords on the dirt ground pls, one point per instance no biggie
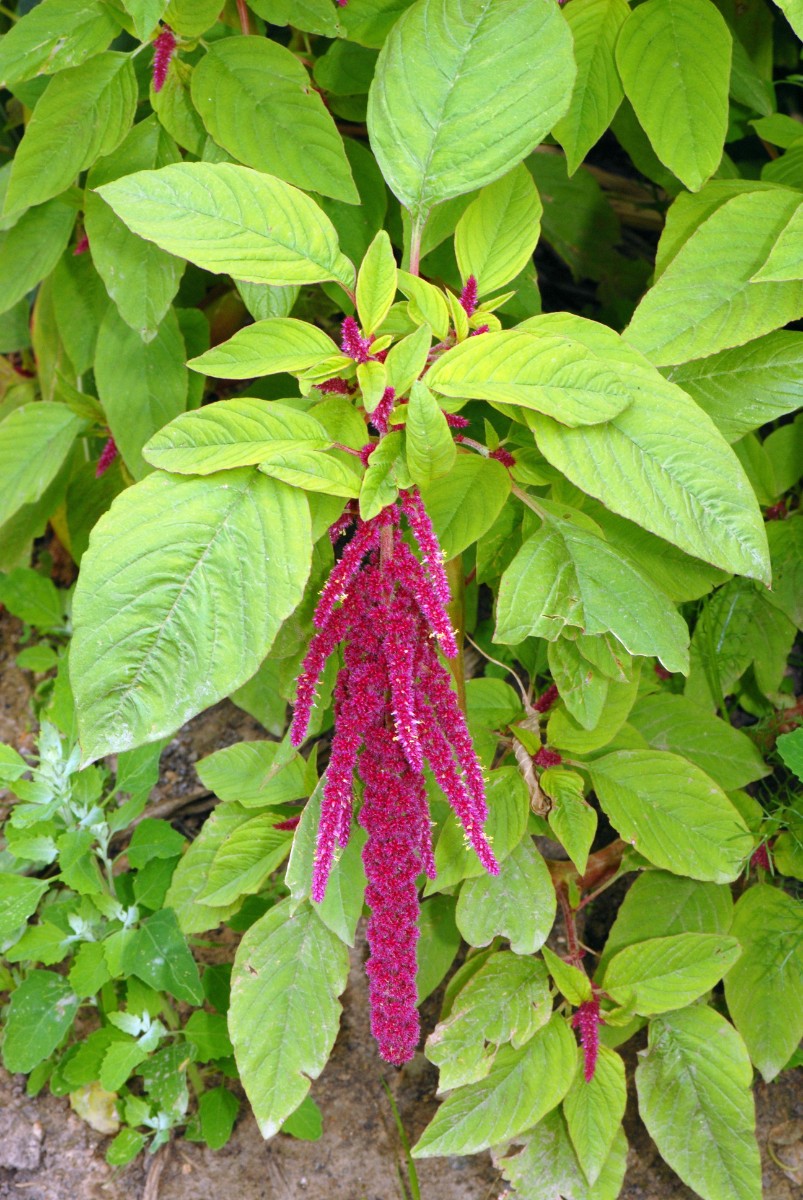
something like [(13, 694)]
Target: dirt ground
[(48, 1153)]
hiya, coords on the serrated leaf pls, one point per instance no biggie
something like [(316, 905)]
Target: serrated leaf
[(496, 235), (594, 1112), (228, 218), (54, 35), (84, 112), (42, 1009), (521, 1087), (34, 443), (665, 973), (464, 504), (172, 555), (255, 98), (673, 813), (429, 138), (283, 1019), (695, 1099), (519, 903)]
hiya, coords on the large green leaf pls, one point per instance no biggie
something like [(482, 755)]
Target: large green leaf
[(249, 773), (665, 973), (467, 501), (183, 588), (595, 26), (142, 385), (140, 278), (706, 300), (784, 260), (267, 348), (84, 112), (437, 129), (567, 575), (496, 235), (224, 217), (547, 1167), (695, 1099), (674, 59), (594, 1110), (54, 35), (192, 871), (313, 16), (764, 990), (42, 1009), (288, 972), (233, 433), (519, 903), (255, 98), (672, 813), (30, 249), (521, 1087), (34, 442), (158, 954), (793, 11), (429, 444), (245, 860)]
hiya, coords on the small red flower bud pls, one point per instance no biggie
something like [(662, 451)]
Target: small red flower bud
[(164, 47)]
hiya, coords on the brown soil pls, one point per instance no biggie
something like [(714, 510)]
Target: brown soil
[(49, 1153)]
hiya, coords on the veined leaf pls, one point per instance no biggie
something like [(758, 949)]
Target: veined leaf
[(496, 235), (665, 973), (519, 903), (431, 451), (224, 217), (54, 35), (335, 474), (192, 871), (430, 138), (42, 1009), (547, 1167), (674, 59), (267, 348), (793, 11), (466, 502), (146, 15), (32, 247), (183, 588), (594, 1112), (249, 774), (35, 439), (376, 281), (245, 859)]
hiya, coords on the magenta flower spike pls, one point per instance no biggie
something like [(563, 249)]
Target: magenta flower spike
[(107, 456), (164, 47), (353, 344), (468, 296), (587, 1020)]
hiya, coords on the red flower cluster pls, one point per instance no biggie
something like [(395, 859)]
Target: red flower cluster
[(164, 47), (587, 1019), (394, 710), (107, 456)]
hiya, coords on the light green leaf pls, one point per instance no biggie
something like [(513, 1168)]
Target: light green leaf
[(786, 552), (146, 15), (571, 982), (19, 899), (508, 809), (157, 953), (727, 755), (141, 279), (263, 301), (191, 873), (565, 575), (217, 1110), (186, 580), (496, 235), (376, 281), (547, 1167), (519, 903), (245, 860), (706, 299), (521, 1087), (427, 302), (266, 348), (85, 111), (256, 100), (695, 1099), (438, 944), (595, 26), (431, 451), (782, 260), (407, 359), (54, 35), (249, 773), (335, 474), (188, 18), (34, 442), (142, 385), (464, 504), (594, 1112), (429, 138), (571, 817), (672, 813), (30, 249), (665, 973), (314, 16), (793, 11), (764, 990), (233, 433), (380, 485), (42, 1009), (674, 59), (569, 736), (748, 386), (788, 745), (582, 685), (288, 973), (228, 218)]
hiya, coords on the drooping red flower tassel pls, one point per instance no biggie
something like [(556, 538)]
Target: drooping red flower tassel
[(587, 1020), (107, 456), (164, 47)]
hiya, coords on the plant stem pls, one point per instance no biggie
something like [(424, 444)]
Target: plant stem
[(572, 941), (416, 233), (242, 9)]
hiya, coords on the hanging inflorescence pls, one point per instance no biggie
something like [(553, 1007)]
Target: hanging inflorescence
[(395, 710)]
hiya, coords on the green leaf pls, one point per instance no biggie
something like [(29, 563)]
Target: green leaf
[(153, 839), (565, 575), (569, 736), (268, 347), (672, 813), (674, 59), (125, 1147), (790, 748), (665, 973), (19, 898), (639, 464), (12, 765), (673, 723), (245, 860), (140, 278), (519, 903), (54, 35), (748, 386), (288, 973), (78, 865), (146, 15), (142, 385), (595, 26), (33, 598), (190, 876), (335, 474), (31, 248), (314, 16), (429, 137), (85, 111), (376, 281), (233, 433), (42, 1009), (583, 687), (34, 443), (706, 299), (157, 953), (407, 359), (380, 485), (786, 553), (79, 301), (188, 18), (571, 818), (255, 98), (217, 1110), (594, 1112), (764, 990), (306, 1122), (174, 555), (571, 982), (547, 1167), (89, 971), (228, 218), (430, 447), (521, 1087), (507, 1000), (465, 504), (695, 1099), (508, 809), (496, 235), (249, 773)]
